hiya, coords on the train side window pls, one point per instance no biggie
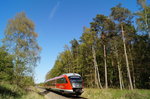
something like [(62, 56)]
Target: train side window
[(58, 81), (64, 80), (61, 80)]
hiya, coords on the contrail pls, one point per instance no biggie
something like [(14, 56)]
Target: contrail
[(54, 9)]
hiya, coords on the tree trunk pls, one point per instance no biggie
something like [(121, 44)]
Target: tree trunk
[(91, 77), (105, 63), (119, 69), (97, 76), (133, 73), (77, 58), (126, 58), (122, 80)]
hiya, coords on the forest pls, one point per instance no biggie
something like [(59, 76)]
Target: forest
[(114, 52)]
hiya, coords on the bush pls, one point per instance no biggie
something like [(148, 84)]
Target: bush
[(8, 91)]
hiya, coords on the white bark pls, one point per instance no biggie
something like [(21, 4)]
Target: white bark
[(126, 58), (105, 63), (119, 69), (133, 74), (97, 76)]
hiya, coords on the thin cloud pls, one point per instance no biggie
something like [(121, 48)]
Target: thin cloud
[(54, 9)]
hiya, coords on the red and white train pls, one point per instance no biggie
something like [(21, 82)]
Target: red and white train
[(70, 83)]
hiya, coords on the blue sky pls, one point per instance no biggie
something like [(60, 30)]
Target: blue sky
[(57, 22)]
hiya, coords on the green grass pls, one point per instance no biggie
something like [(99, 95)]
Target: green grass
[(8, 91), (116, 94)]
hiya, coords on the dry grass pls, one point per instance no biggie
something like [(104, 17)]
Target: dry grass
[(32, 95)]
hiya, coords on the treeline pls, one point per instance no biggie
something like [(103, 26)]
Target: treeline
[(19, 52), (113, 53)]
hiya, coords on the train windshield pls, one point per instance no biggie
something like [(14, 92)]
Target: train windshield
[(75, 79)]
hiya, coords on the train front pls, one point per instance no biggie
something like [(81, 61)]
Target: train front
[(77, 84)]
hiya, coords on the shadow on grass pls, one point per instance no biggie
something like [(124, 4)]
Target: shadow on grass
[(69, 96), (5, 92)]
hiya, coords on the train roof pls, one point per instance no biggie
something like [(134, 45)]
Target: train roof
[(67, 74), (71, 74)]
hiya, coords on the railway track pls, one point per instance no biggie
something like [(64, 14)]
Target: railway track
[(48, 94)]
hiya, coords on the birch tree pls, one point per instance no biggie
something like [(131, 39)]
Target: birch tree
[(21, 41), (123, 16)]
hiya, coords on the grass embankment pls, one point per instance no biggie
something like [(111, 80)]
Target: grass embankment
[(116, 94), (8, 91)]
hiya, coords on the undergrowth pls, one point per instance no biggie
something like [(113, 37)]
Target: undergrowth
[(8, 91)]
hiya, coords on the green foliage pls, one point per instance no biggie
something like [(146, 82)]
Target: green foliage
[(8, 91), (120, 14), (143, 20), (20, 41), (11, 91), (6, 65), (142, 3)]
